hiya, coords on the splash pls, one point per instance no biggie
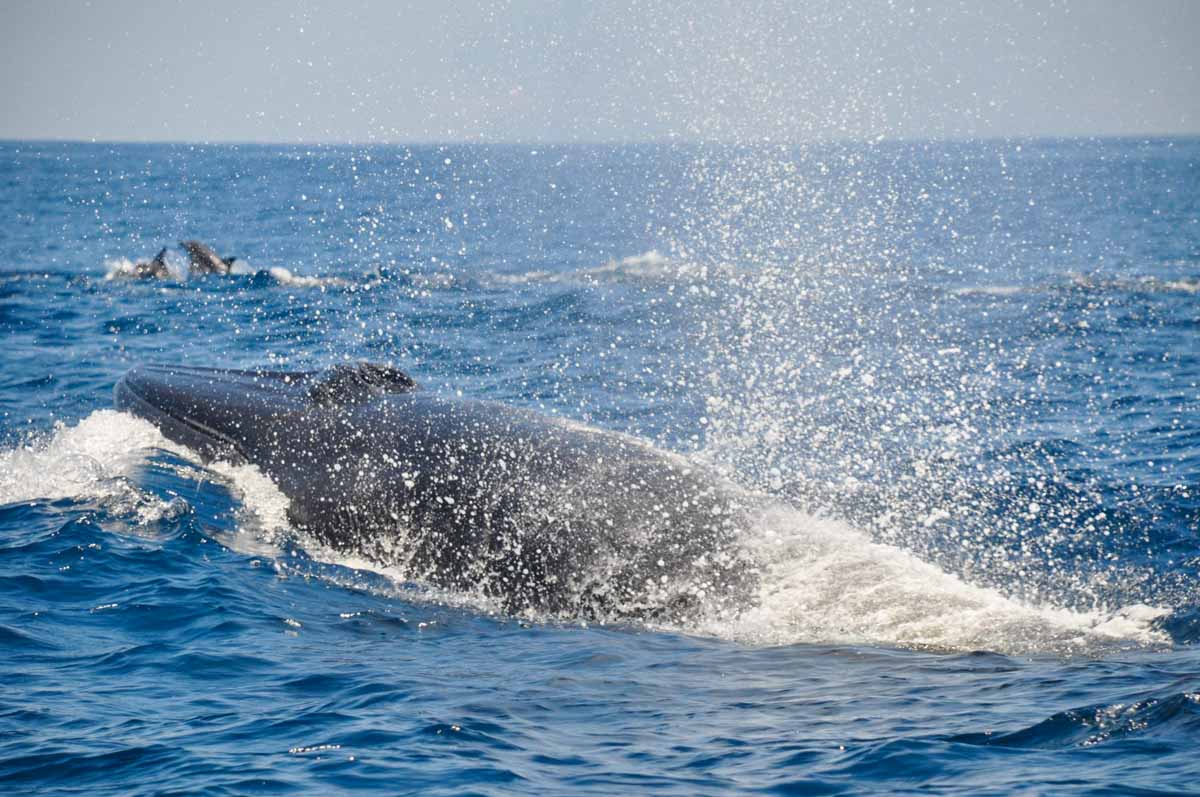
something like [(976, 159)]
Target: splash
[(840, 375), (285, 276), (826, 582), (94, 460), (264, 528), (122, 268)]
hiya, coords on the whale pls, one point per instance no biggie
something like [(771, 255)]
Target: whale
[(155, 268), (203, 260), (537, 513)]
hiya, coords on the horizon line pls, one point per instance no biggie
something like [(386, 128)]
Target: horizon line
[(766, 142)]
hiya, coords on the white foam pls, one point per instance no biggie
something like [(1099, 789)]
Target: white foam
[(242, 267), (1143, 284), (651, 266), (264, 517), (402, 585), (97, 458), (286, 277), (1091, 283), (92, 460), (118, 268), (656, 267), (1135, 285), (1190, 286), (990, 290), (283, 276), (825, 582)]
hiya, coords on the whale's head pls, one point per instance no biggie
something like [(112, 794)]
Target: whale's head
[(213, 411), (233, 414)]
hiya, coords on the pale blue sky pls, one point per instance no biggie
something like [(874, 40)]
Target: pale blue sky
[(515, 70)]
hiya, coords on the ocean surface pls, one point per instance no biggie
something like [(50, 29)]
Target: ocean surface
[(964, 377)]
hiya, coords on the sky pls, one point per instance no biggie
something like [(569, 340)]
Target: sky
[(558, 71)]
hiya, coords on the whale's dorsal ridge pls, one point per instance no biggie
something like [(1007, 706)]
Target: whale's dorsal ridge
[(348, 384)]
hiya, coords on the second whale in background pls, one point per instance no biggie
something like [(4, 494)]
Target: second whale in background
[(201, 260)]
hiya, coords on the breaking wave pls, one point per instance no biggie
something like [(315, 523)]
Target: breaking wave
[(94, 460), (1186, 286)]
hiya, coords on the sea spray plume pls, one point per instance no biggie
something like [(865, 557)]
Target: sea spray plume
[(859, 388), (837, 374)]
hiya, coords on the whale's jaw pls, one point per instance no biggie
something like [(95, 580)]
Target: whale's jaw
[(209, 410)]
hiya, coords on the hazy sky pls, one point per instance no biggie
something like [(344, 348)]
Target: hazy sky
[(566, 71)]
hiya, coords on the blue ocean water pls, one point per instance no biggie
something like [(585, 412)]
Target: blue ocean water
[(967, 375)]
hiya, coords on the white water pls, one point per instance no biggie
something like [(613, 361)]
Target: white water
[(123, 268), (826, 582), (117, 268), (651, 266), (1086, 282), (823, 581), (93, 460)]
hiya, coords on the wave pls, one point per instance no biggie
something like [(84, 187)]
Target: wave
[(823, 581), (1172, 714), (1144, 284), (1187, 286), (651, 266), (94, 460)]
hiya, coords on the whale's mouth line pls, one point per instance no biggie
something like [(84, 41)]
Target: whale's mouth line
[(220, 445)]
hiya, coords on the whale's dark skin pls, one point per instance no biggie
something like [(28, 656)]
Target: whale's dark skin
[(203, 260), (156, 268), (540, 513)]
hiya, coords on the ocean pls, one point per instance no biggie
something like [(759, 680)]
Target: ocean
[(963, 377)]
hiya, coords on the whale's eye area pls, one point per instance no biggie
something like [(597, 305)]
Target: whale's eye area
[(347, 384)]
